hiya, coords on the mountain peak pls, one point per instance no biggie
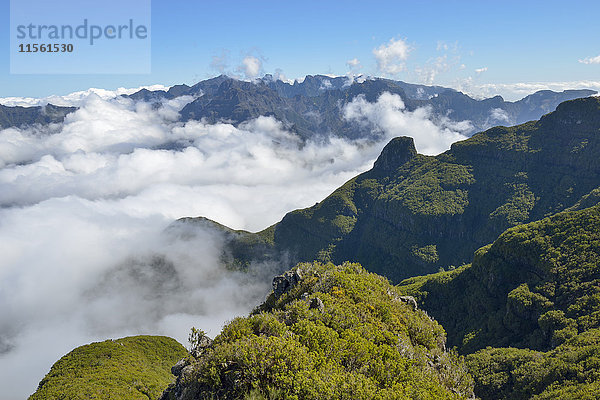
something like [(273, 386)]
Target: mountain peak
[(397, 152)]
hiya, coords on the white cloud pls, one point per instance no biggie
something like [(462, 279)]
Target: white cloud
[(353, 63), (499, 115), (89, 199), (76, 271), (325, 84), (429, 72), (353, 73), (432, 69), (442, 46), (108, 149), (590, 60), (251, 67), (280, 76), (479, 71), (389, 115), (391, 57), (220, 63)]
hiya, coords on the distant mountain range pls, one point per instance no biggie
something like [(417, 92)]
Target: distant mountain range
[(315, 106), (22, 116)]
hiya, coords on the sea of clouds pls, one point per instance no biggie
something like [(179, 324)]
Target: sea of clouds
[(85, 206)]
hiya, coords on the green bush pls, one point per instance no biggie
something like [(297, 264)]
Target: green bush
[(570, 371), (132, 368), (340, 333)]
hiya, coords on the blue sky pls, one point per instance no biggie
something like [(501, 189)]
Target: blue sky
[(467, 45)]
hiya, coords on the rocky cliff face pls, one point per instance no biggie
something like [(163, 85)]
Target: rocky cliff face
[(395, 154)]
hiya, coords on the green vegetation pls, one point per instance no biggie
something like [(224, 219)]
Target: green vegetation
[(132, 368), (570, 371), (453, 203), (535, 288), (338, 333)]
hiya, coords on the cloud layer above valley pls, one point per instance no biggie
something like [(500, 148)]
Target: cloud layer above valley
[(84, 208)]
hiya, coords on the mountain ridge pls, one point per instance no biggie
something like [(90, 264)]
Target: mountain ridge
[(315, 106), (526, 309), (304, 106), (424, 212)]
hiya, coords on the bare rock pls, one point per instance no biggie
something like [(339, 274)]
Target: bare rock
[(409, 300), (283, 283), (181, 364), (316, 303)]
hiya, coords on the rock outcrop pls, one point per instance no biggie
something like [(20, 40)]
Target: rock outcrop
[(283, 283), (396, 153)]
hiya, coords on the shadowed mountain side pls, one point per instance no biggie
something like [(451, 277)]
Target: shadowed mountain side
[(412, 214), (535, 286)]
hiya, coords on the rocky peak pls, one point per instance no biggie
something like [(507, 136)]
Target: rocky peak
[(397, 152)]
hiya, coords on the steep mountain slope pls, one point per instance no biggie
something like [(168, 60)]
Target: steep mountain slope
[(326, 332), (536, 287), (412, 214), (131, 368)]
